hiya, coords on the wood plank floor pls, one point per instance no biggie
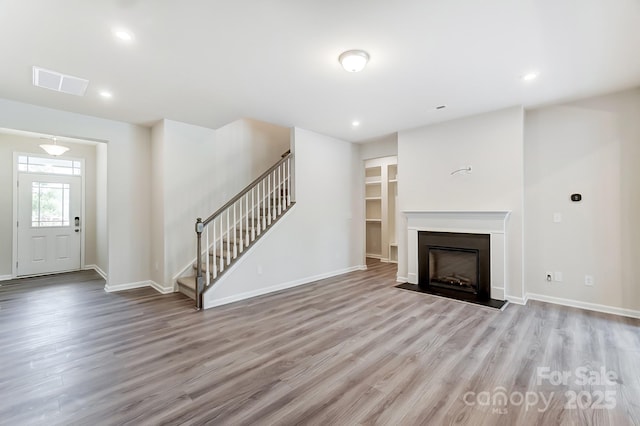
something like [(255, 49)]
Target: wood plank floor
[(343, 351)]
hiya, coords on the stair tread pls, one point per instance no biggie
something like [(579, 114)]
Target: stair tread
[(189, 282)]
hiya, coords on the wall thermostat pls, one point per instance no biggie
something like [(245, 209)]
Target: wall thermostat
[(576, 197)]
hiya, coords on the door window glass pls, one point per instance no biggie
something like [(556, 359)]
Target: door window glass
[(49, 204), (57, 166)]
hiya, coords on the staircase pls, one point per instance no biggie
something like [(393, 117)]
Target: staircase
[(227, 234)]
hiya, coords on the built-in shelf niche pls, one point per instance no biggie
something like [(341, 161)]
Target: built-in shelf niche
[(381, 176)]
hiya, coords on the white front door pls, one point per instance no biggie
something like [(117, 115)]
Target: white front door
[(49, 223)]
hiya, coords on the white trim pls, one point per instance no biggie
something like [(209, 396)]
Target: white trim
[(373, 256), (14, 251), (631, 313), (97, 269), (6, 277), (138, 284), (516, 300), (400, 279), (162, 290), (283, 286), (492, 223), (126, 286)]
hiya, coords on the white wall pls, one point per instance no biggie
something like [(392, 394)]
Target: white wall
[(317, 237), (492, 144), (128, 180), (590, 147), (14, 143), (102, 225), (157, 203), (383, 147), (195, 171)]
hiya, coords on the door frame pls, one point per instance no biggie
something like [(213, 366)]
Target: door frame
[(14, 251)]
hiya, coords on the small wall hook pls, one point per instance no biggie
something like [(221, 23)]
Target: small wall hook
[(467, 169)]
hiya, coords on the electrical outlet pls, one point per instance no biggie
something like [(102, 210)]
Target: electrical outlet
[(557, 217), (549, 276), (588, 280), (557, 276), (259, 270)]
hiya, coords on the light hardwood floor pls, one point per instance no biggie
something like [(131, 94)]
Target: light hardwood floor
[(347, 350)]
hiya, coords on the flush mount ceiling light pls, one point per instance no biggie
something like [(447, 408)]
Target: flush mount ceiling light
[(529, 76), (355, 123), (54, 149), (354, 60), (122, 34), (105, 94)]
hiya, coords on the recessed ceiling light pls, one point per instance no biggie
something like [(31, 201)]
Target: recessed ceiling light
[(106, 95), (354, 60), (529, 76), (122, 34), (355, 123)]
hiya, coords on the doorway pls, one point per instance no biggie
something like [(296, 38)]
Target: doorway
[(49, 211)]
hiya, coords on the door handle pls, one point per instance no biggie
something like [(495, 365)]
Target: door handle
[(77, 223)]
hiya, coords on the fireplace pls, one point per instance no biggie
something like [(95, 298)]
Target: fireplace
[(455, 262)]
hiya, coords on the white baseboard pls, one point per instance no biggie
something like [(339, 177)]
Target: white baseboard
[(516, 300), (139, 284), (585, 305), (283, 286), (400, 279), (111, 288), (97, 269), (160, 289), (5, 277)]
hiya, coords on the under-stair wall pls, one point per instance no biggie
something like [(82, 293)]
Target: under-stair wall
[(317, 238), (195, 171)]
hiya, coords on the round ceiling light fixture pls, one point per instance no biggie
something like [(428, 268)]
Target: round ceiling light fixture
[(354, 60)]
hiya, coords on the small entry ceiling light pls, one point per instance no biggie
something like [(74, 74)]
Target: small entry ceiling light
[(529, 76), (122, 34), (105, 94), (354, 60), (54, 149), (355, 123)]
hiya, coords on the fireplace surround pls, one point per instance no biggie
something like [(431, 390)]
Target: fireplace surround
[(490, 223)]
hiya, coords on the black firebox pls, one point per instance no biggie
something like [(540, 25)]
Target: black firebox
[(456, 263)]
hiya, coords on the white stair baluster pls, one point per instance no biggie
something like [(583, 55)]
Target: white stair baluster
[(241, 229), (206, 244), (272, 195), (262, 201), (235, 234), (215, 264), (228, 240), (279, 194), (247, 236), (289, 181), (221, 247), (269, 199), (253, 213)]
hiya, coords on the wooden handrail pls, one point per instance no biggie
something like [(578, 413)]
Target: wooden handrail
[(229, 203)]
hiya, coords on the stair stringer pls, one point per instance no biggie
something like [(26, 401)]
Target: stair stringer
[(284, 249), (210, 298)]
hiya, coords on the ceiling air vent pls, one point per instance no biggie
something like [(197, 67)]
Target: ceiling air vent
[(59, 82)]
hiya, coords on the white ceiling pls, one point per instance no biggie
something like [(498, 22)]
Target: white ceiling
[(210, 62)]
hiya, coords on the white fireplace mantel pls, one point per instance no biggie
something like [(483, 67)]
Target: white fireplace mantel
[(493, 223)]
